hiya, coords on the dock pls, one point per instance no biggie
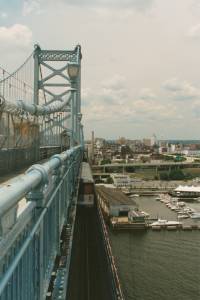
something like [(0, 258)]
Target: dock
[(125, 224)]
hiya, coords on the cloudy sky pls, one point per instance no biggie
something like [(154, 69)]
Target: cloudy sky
[(141, 59)]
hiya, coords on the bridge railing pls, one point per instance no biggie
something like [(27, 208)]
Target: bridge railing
[(33, 209)]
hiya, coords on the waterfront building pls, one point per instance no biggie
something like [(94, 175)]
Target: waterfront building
[(137, 216), (113, 202), (187, 191), (121, 180), (189, 152)]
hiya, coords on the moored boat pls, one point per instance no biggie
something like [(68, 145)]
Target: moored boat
[(183, 216), (164, 223), (195, 215)]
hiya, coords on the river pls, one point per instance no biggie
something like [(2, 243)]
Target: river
[(158, 265)]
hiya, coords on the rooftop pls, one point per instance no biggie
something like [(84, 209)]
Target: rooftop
[(186, 188), (86, 174), (116, 175), (114, 196)]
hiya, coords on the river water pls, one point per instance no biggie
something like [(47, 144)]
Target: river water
[(162, 265)]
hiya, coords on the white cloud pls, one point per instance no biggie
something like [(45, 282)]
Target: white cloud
[(18, 35), (145, 48), (36, 6), (109, 102), (195, 7), (3, 15), (181, 90), (115, 15), (108, 107), (194, 31), (137, 4), (146, 94), (31, 6), (114, 104), (115, 82)]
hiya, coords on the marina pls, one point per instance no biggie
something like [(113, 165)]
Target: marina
[(168, 245), (183, 210), (156, 216)]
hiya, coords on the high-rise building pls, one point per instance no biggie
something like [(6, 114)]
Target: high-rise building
[(153, 140)]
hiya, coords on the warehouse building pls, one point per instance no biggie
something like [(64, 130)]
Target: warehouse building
[(113, 202)]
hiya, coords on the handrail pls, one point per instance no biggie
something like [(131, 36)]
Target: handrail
[(32, 239), (16, 189)]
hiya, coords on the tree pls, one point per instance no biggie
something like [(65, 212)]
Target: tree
[(109, 180), (173, 175), (168, 157), (179, 158), (105, 161), (164, 176), (176, 175)]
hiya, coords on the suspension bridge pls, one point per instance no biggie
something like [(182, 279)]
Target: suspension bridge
[(50, 246)]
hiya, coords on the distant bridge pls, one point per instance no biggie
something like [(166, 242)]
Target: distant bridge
[(119, 167)]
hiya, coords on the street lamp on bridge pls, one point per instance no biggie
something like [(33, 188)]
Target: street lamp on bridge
[(73, 72)]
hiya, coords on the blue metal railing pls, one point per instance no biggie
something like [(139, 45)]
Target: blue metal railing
[(33, 210)]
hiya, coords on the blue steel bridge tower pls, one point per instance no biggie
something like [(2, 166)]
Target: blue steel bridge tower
[(39, 102)]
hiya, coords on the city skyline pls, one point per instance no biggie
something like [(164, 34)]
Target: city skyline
[(140, 70)]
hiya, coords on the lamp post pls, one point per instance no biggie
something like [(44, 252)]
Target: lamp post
[(81, 136), (73, 72), (79, 126)]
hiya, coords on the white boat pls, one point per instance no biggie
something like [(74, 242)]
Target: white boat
[(195, 216), (177, 209), (158, 198), (183, 216), (162, 222), (173, 207), (189, 210), (145, 214), (169, 205), (173, 199), (181, 212), (181, 203)]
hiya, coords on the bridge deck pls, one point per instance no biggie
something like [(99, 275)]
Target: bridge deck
[(89, 276)]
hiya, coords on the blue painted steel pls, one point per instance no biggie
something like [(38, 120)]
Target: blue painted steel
[(38, 110), (29, 242), (35, 108)]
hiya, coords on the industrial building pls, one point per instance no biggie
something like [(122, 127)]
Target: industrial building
[(113, 202), (121, 180)]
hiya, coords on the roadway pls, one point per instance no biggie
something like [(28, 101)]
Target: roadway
[(147, 164), (89, 277)]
